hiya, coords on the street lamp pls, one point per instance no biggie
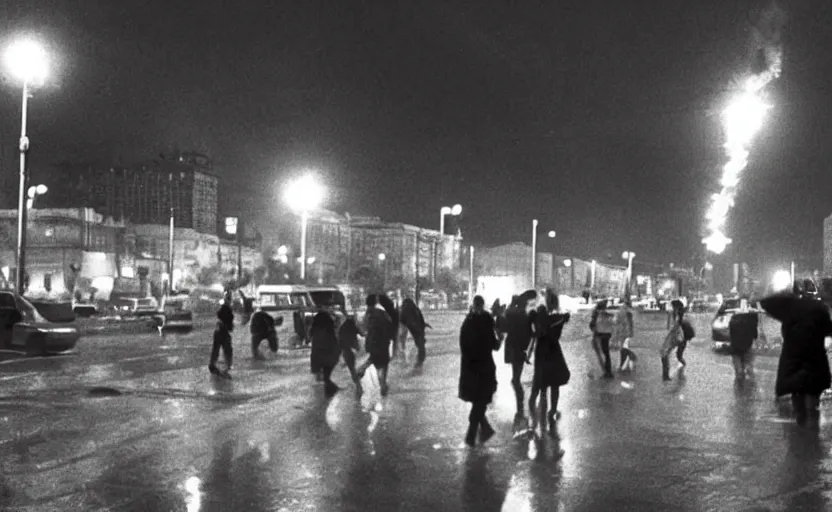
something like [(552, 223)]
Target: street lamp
[(383, 259), (629, 255), (33, 192), (448, 210), (551, 234), (29, 63), (303, 195)]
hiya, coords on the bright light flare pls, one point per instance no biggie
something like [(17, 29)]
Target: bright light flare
[(305, 194), (742, 120), (781, 281), (28, 61)]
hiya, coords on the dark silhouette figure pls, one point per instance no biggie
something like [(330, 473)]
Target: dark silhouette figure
[(222, 339), (550, 368), (380, 330), (262, 327), (803, 368), (518, 338), (325, 349), (413, 321), (477, 372)]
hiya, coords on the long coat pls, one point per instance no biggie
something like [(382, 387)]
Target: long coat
[(518, 326), (550, 368), (803, 365), (378, 328), (325, 348), (477, 371)]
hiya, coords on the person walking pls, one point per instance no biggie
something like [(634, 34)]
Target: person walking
[(222, 340), (477, 371), (348, 335), (325, 349), (601, 325), (550, 368), (803, 368), (676, 338), (413, 321), (379, 329), (742, 329), (518, 338), (262, 327), (622, 333)]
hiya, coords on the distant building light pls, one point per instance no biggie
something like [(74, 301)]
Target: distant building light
[(127, 272)]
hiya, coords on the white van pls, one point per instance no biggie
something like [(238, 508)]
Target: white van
[(297, 304)]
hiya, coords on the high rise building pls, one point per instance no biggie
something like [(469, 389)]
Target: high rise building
[(142, 194)]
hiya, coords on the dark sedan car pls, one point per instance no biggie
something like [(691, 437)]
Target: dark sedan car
[(24, 329)]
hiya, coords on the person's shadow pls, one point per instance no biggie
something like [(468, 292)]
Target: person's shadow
[(483, 488)]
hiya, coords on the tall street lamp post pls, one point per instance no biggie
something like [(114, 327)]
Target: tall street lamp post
[(629, 255), (28, 61), (454, 210), (303, 195), (383, 259), (551, 234)]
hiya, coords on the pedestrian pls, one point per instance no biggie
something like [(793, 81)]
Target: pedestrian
[(742, 329), (222, 339), (348, 335), (392, 311), (601, 325), (622, 333), (477, 372), (550, 368), (413, 321), (378, 329), (262, 327), (326, 350), (518, 338), (677, 337), (803, 368)]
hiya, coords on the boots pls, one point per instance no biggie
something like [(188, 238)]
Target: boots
[(486, 431), (471, 436)]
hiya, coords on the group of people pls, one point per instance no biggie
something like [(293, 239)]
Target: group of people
[(333, 336), (527, 332), (803, 369)]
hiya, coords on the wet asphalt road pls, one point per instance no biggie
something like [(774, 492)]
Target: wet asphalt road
[(178, 439)]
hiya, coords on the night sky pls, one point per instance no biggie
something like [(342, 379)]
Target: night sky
[(600, 118)]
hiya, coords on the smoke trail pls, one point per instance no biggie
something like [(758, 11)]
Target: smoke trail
[(744, 116)]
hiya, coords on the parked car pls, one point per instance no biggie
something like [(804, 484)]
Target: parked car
[(719, 326), (137, 307), (177, 313), (24, 329)]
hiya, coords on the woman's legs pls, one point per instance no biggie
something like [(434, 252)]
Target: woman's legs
[(475, 418), (533, 411)]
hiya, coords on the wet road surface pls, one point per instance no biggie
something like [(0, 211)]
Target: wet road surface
[(178, 439)]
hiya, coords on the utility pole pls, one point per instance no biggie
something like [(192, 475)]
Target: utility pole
[(170, 255)]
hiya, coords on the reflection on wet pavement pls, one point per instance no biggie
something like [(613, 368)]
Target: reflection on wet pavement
[(269, 440)]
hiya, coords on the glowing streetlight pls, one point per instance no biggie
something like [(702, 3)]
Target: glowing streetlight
[(552, 234), (303, 195), (28, 62), (33, 192), (448, 210), (782, 280), (383, 259)]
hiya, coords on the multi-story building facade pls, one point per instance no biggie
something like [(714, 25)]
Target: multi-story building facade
[(346, 249), (145, 194), (65, 249)]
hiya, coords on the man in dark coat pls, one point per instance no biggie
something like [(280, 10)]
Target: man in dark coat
[(325, 349), (348, 333), (742, 330), (222, 340), (803, 368), (518, 338), (477, 371), (262, 327), (413, 321), (379, 329)]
